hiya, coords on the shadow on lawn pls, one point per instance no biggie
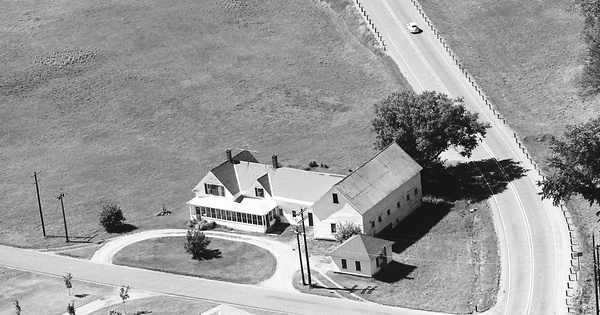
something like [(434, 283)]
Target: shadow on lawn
[(124, 228), (465, 180), (416, 225), (209, 254), (395, 272)]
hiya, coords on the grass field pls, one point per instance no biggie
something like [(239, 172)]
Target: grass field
[(237, 262), (133, 102), (527, 56), (445, 260), (39, 294)]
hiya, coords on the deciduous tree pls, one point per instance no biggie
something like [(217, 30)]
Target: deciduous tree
[(426, 124), (196, 244), (111, 218), (346, 230), (576, 164)]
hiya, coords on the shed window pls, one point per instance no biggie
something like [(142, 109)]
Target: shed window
[(397, 204), (377, 262), (416, 191), (379, 218), (333, 228), (373, 224), (344, 264), (389, 212), (335, 198), (294, 213), (407, 197), (357, 263)]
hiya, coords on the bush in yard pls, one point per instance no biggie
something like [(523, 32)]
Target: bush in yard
[(346, 230), (111, 218), (197, 244), (204, 225)]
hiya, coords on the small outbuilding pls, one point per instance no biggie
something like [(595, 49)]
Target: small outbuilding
[(362, 255)]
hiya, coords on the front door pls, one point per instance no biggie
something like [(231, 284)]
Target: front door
[(310, 219)]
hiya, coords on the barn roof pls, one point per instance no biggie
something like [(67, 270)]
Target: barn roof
[(378, 177), (360, 247)]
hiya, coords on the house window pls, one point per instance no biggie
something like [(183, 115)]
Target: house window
[(294, 213), (377, 262), (407, 197), (372, 224), (216, 190), (416, 191), (203, 209), (344, 265), (197, 210), (397, 204), (357, 263), (333, 228), (389, 212), (260, 220), (259, 192), (335, 198), (379, 218), (239, 216)]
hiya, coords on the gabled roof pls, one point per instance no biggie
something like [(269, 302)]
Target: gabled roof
[(264, 181), (301, 185), (378, 177), (361, 247), (226, 172)]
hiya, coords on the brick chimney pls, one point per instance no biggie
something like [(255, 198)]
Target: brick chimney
[(274, 159), (229, 157)]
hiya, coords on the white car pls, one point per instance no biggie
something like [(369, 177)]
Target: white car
[(413, 28)]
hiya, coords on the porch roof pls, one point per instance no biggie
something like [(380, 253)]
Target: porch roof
[(247, 205)]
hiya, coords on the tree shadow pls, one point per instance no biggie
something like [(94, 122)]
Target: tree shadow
[(123, 228), (395, 272), (416, 225), (209, 254), (475, 181)]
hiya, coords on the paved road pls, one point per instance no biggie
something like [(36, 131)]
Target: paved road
[(220, 292), (533, 234)]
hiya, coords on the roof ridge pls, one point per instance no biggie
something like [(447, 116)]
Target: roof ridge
[(369, 160)]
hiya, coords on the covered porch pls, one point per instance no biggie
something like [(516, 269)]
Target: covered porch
[(253, 215)]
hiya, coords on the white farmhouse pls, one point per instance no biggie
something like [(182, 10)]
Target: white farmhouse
[(247, 195)]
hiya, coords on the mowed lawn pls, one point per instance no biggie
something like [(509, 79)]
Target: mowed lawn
[(41, 294), (527, 56), (445, 260), (132, 102), (237, 262)]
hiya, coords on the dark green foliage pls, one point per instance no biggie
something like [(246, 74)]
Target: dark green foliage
[(576, 164), (71, 308), (346, 230), (313, 164), (590, 76), (111, 218), (17, 307), (196, 244), (426, 124)]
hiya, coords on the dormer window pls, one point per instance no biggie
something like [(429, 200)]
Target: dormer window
[(216, 190), (259, 192)]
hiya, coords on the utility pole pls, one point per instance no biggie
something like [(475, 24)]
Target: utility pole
[(595, 272), (299, 253), (37, 189), (60, 197), (305, 247)]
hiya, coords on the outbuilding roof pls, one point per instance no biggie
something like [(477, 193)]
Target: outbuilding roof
[(361, 247), (378, 177)]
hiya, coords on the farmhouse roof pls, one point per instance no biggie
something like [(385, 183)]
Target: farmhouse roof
[(300, 185), (378, 177), (360, 247), (226, 171)]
